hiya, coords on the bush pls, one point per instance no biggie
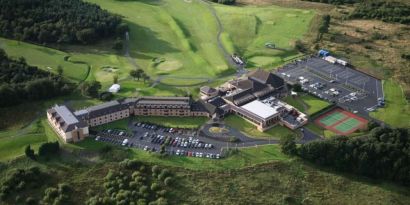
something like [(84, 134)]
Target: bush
[(49, 148), (106, 96), (288, 145), (29, 152), (168, 181), (31, 201), (155, 170)]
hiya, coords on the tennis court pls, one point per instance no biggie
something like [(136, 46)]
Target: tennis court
[(341, 121)]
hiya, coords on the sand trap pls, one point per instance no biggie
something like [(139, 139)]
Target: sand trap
[(109, 69)]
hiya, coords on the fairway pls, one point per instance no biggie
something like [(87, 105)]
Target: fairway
[(341, 122), (248, 28), (44, 58), (174, 31)]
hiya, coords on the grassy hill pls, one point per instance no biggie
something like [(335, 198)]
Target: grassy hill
[(248, 28)]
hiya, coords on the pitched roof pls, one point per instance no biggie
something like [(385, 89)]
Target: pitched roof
[(240, 97), (66, 118), (101, 109), (266, 78), (207, 90)]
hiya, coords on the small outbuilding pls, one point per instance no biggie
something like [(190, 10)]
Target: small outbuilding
[(114, 88)]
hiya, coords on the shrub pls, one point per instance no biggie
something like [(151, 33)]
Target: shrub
[(31, 201), (49, 148), (29, 152), (168, 181)]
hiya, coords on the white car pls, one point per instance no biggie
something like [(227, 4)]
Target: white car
[(125, 142)]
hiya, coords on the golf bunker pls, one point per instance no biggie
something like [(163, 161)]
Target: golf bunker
[(341, 121)]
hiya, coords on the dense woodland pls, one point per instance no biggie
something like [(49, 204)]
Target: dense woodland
[(383, 10), (130, 183), (20, 82), (56, 21), (382, 154), (336, 2)]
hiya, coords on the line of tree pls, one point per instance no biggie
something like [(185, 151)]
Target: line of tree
[(336, 2), (388, 11), (56, 21), (384, 153), (228, 2), (21, 82), (324, 27)]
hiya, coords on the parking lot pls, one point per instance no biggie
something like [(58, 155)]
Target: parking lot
[(150, 138), (336, 83)]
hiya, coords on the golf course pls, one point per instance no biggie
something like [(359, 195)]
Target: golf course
[(174, 38)]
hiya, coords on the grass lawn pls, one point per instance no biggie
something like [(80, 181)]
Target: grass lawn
[(397, 110), (315, 104), (294, 102), (14, 141), (119, 124), (176, 122), (250, 130), (248, 28)]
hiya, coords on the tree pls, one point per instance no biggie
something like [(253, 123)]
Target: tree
[(162, 150), (48, 148), (106, 96), (86, 36), (90, 89), (299, 46), (60, 70), (118, 44), (297, 88), (30, 152), (288, 145), (136, 73)]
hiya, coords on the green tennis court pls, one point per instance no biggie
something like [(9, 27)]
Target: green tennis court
[(348, 125), (341, 121), (332, 118)]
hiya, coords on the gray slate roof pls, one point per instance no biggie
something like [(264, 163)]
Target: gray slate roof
[(66, 118)]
